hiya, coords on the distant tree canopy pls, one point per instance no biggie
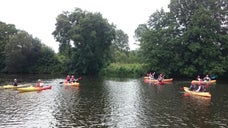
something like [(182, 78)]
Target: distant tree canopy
[(188, 40), (21, 53), (120, 47), (85, 39), (6, 31), (191, 39)]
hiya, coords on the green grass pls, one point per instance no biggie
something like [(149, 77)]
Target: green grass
[(119, 69)]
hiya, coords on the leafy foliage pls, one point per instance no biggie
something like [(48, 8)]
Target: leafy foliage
[(21, 53), (91, 36), (188, 40), (119, 69), (6, 31)]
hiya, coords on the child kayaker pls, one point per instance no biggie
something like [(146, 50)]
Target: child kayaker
[(207, 78), (15, 82), (38, 84), (67, 78), (72, 79)]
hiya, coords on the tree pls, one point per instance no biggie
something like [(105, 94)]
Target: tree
[(200, 26), (25, 54), (156, 40), (91, 36), (16, 52), (6, 31), (121, 41), (188, 40), (120, 48)]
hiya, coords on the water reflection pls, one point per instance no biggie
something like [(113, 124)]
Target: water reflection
[(105, 102), (123, 103)]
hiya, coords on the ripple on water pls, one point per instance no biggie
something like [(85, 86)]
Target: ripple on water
[(112, 103)]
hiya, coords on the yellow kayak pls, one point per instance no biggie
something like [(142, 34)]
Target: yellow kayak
[(71, 84), (205, 94), (203, 82), (32, 88), (14, 87)]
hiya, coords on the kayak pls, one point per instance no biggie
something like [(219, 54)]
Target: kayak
[(155, 80), (203, 82), (205, 94), (14, 87), (32, 88), (71, 84)]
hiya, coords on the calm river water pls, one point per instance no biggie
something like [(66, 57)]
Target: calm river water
[(115, 103)]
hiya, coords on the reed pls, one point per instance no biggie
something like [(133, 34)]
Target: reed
[(120, 69)]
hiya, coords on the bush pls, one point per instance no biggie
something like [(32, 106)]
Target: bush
[(118, 69)]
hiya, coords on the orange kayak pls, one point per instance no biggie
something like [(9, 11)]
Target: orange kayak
[(205, 94), (204, 82), (71, 84), (155, 80)]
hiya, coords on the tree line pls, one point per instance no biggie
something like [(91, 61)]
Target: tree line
[(188, 40), (22, 53), (87, 43)]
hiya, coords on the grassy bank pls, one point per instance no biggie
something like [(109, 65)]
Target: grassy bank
[(119, 69)]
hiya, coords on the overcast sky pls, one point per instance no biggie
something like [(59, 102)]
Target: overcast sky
[(38, 17)]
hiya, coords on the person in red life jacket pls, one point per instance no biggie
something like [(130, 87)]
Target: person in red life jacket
[(38, 84), (68, 78), (161, 77), (207, 86), (72, 79)]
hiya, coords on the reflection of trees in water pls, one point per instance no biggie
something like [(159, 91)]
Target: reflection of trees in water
[(158, 88), (197, 110)]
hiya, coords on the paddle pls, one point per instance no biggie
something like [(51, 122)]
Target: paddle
[(213, 77), (80, 78)]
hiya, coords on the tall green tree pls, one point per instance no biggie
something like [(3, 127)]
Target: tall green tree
[(6, 31), (121, 41), (156, 40), (25, 54), (190, 39), (202, 35), (120, 47), (91, 36), (16, 53)]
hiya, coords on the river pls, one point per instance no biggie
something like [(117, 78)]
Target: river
[(113, 102)]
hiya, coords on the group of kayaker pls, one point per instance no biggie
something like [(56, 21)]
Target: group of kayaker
[(206, 78), (38, 84), (70, 79), (201, 86), (160, 77)]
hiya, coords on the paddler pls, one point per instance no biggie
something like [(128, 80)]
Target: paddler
[(72, 79), (207, 78), (15, 82), (38, 84), (67, 78)]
